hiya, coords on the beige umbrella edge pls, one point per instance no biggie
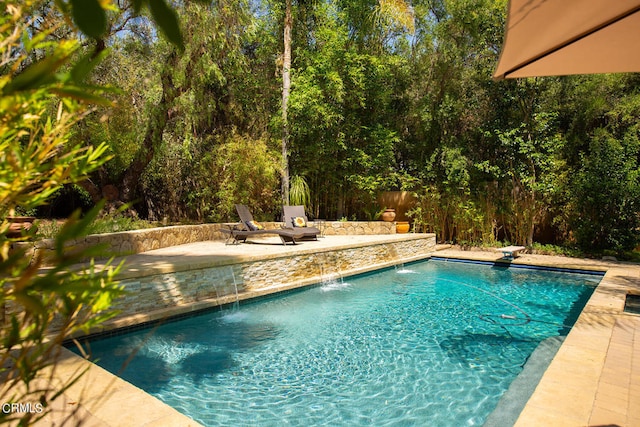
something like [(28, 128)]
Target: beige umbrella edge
[(506, 70)]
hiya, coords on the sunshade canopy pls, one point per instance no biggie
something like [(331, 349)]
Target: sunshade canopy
[(560, 37)]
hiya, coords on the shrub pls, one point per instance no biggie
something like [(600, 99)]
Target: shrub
[(606, 194), (36, 160)]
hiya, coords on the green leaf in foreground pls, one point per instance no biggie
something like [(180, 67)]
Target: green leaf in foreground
[(90, 17), (167, 20)]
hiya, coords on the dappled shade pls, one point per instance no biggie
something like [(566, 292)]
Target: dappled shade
[(561, 37)]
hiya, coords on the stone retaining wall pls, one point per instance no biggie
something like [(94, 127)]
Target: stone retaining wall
[(346, 228), (153, 297), (137, 241)]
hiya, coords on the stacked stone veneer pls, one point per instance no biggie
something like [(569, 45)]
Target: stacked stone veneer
[(154, 296), (137, 241), (318, 267)]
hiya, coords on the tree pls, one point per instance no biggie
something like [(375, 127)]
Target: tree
[(42, 99), (607, 194), (373, 105), (286, 87), (191, 99), (388, 13)]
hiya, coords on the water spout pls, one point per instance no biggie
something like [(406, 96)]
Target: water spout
[(328, 275), (215, 288), (401, 269), (236, 304)]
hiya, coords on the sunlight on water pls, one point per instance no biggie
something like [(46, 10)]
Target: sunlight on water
[(334, 285), (406, 271), (234, 316), (168, 350), (431, 343)]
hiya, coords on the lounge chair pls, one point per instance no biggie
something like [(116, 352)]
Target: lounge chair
[(239, 233), (295, 218)]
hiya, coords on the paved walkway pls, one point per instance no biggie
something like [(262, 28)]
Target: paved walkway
[(594, 379)]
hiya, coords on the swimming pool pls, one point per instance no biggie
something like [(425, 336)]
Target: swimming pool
[(434, 343)]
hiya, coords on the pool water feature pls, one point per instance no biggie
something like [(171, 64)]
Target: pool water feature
[(430, 343)]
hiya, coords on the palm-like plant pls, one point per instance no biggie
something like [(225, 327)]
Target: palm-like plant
[(299, 194)]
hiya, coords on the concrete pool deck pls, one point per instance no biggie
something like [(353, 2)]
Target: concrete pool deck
[(593, 380)]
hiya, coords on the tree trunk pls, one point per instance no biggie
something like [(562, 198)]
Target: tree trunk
[(286, 87), (131, 182)]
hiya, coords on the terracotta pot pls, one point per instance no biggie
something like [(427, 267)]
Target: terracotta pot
[(402, 227), (401, 201), (19, 223), (389, 215)]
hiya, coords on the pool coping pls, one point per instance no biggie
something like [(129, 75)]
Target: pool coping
[(101, 399), (594, 379)]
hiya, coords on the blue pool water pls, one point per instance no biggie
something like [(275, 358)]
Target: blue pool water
[(432, 343)]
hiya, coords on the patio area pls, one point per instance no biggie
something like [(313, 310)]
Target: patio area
[(593, 380)]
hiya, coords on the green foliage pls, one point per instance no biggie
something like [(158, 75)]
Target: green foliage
[(299, 194), (374, 106), (35, 156), (251, 181), (373, 212), (42, 309), (122, 124), (548, 249), (117, 222), (166, 19), (244, 171), (204, 101), (40, 103), (526, 166), (432, 214), (452, 216), (607, 194), (341, 111), (90, 16), (64, 202)]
